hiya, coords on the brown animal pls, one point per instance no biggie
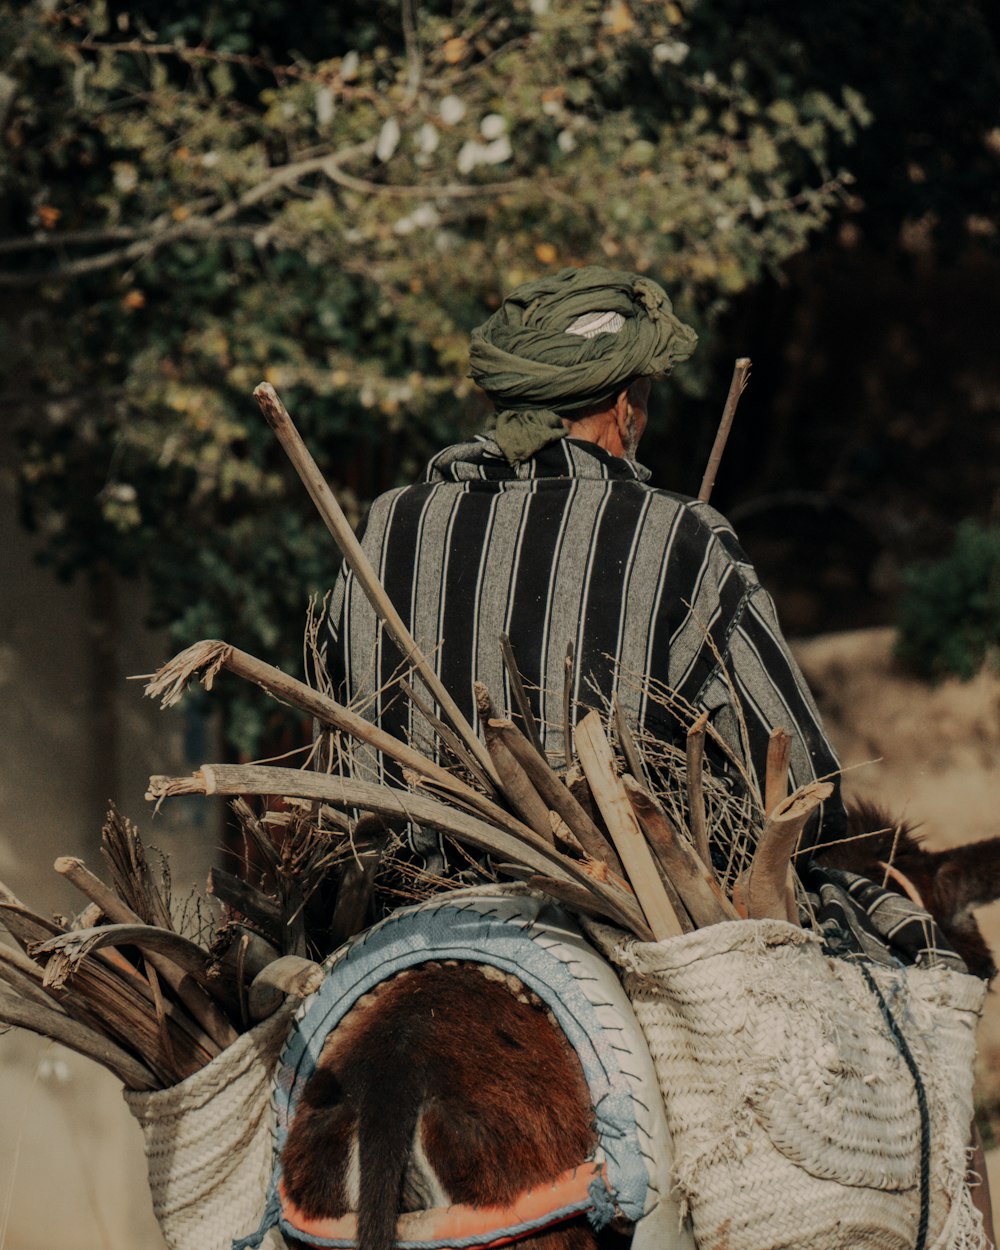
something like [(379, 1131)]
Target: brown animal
[(452, 1084), (446, 1084), (950, 884)]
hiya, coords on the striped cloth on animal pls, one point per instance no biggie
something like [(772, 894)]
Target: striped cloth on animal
[(861, 921), (573, 546)]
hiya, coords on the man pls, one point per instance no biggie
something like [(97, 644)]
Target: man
[(546, 530)]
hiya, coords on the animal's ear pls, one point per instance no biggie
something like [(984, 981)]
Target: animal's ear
[(948, 886), (967, 876)]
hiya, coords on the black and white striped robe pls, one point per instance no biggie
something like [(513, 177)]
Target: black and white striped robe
[(573, 546)]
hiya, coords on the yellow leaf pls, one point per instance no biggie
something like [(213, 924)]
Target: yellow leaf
[(618, 18), (47, 216), (180, 212), (546, 253), (674, 15), (133, 299), (455, 50)]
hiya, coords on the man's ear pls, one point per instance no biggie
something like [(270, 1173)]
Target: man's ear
[(622, 411)]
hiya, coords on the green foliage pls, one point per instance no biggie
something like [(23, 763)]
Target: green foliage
[(201, 195), (949, 618)]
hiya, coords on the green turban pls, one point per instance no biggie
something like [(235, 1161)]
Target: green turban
[(534, 370)]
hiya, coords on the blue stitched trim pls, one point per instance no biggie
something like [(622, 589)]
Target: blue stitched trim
[(451, 931)]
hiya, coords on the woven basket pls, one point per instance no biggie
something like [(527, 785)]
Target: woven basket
[(209, 1143), (795, 1117)]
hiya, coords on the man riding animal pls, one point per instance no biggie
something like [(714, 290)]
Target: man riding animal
[(545, 530)]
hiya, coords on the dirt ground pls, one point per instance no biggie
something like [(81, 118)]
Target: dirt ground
[(929, 753)]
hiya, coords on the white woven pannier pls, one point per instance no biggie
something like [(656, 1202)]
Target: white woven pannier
[(796, 1118), (209, 1142)]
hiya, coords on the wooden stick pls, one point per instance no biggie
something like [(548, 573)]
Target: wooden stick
[(579, 899), (598, 763), (288, 975), (565, 838), (333, 517), (700, 892), (576, 783), (779, 753), (517, 787), (191, 994), (79, 943), (78, 1037), (676, 902), (348, 792), (557, 798), (451, 739), (738, 384), (629, 750), (520, 695), (523, 846), (695, 748), (25, 976), (160, 1004), (237, 952), (254, 905), (764, 889), (7, 895), (242, 990), (211, 655), (88, 918), (27, 927), (111, 997), (357, 878)]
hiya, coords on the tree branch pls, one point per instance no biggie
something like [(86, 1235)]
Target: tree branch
[(215, 225)]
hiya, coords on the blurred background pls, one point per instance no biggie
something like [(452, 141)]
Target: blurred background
[(199, 195)]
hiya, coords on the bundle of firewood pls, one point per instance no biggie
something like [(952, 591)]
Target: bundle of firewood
[(122, 985), (592, 835), (118, 982)]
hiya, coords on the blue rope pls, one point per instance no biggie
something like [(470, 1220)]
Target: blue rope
[(925, 1117)]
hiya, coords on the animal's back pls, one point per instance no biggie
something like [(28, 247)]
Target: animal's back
[(441, 1086)]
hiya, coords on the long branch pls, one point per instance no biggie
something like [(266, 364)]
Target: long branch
[(357, 560), (166, 230), (209, 656), (526, 848), (79, 943)]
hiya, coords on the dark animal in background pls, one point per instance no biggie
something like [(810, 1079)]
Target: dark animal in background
[(950, 883)]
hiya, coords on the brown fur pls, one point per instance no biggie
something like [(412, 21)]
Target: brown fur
[(494, 1088), (951, 883)]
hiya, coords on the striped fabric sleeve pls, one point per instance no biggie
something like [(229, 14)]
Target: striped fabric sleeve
[(573, 549)]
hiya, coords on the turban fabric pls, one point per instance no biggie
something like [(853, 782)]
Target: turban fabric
[(534, 365)]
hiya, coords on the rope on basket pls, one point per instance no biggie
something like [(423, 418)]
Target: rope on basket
[(925, 1119)]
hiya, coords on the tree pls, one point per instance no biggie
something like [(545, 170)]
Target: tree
[(192, 204)]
